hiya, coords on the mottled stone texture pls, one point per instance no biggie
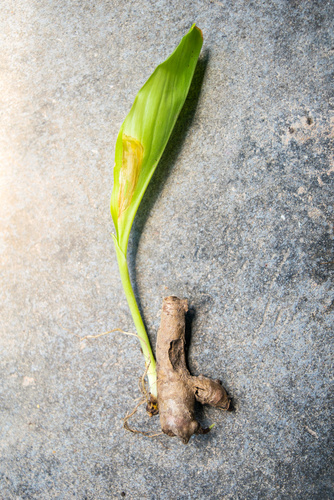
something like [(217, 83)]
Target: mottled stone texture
[(238, 219)]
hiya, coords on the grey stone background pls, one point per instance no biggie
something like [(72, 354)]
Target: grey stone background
[(238, 219)]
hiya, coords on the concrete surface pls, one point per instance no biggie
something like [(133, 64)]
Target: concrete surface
[(239, 219)]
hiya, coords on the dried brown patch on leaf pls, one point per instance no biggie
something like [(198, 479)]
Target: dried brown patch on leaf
[(131, 165)]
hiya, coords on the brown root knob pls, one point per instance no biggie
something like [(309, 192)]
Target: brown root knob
[(210, 392), (177, 389)]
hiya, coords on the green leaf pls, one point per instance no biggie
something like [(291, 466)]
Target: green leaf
[(145, 131)]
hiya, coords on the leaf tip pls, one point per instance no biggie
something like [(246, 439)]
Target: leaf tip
[(200, 31)]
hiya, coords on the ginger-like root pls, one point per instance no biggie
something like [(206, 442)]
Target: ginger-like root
[(177, 389)]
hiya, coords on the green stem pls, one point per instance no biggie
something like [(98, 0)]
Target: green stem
[(137, 319)]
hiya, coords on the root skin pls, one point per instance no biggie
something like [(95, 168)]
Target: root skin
[(177, 389)]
